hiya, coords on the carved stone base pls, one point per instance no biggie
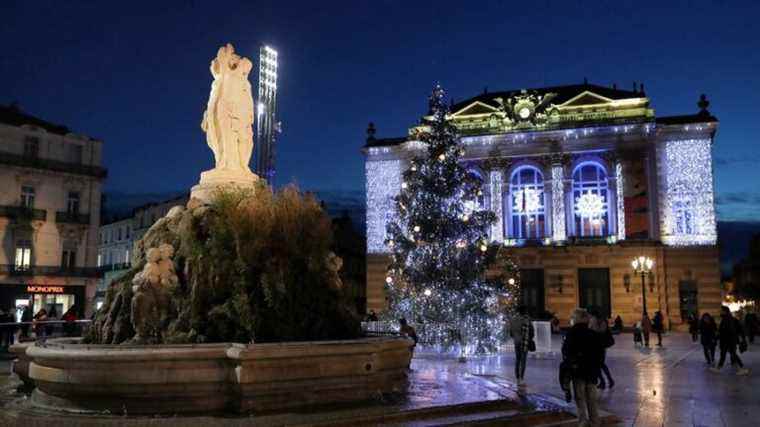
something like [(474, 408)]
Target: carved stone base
[(217, 179)]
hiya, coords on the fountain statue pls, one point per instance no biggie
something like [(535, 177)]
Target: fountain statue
[(227, 122)]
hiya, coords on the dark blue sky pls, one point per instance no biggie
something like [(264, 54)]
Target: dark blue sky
[(135, 74)]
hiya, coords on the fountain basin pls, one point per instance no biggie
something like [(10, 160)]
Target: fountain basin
[(203, 378)]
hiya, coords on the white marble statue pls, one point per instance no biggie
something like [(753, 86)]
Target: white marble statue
[(228, 121), (228, 118)]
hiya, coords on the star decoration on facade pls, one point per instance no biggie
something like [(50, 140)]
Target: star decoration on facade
[(527, 201), (589, 205)]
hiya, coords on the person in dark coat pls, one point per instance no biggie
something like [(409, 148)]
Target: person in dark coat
[(658, 327), (693, 327), (582, 351), (751, 326), (26, 319), (708, 332), (730, 335), (646, 328)]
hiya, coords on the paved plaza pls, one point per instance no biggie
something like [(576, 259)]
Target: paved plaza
[(670, 386), (660, 387)]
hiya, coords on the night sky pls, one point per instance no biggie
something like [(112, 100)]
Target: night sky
[(135, 74)]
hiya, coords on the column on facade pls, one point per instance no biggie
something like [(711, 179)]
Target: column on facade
[(620, 199), (496, 181), (559, 232)]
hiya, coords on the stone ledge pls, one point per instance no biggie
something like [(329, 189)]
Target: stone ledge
[(214, 377)]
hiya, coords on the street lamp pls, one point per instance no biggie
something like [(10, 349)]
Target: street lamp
[(643, 266)]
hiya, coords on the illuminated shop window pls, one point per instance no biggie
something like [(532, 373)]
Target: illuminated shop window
[(526, 204), (591, 200)]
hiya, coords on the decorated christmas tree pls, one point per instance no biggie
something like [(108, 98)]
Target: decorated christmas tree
[(440, 249)]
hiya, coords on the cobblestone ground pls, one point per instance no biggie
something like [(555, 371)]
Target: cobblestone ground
[(668, 386)]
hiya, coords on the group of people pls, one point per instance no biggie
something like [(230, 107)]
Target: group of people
[(729, 335), (646, 326), (40, 323)]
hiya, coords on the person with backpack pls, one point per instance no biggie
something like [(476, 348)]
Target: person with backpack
[(730, 335), (582, 356), (600, 326), (521, 331)]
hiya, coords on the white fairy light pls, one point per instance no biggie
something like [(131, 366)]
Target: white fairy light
[(497, 177), (428, 292), (558, 204), (383, 184), (619, 184), (589, 205), (686, 173), (416, 228), (527, 200)]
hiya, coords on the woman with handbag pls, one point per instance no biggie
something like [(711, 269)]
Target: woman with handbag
[(521, 331)]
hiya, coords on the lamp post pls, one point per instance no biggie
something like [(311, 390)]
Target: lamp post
[(643, 265)]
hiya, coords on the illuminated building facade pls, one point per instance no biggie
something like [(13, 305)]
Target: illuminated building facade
[(51, 180), (266, 125), (582, 179)]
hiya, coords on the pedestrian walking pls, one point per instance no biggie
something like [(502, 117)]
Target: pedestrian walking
[(646, 328), (730, 335), (693, 327), (600, 326), (708, 332), (521, 331), (617, 325), (39, 325), (51, 315), (637, 334), (751, 326), (658, 327), (26, 319), (582, 352)]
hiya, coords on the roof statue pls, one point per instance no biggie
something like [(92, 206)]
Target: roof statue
[(228, 121)]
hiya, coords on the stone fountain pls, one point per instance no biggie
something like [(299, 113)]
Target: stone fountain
[(222, 312)]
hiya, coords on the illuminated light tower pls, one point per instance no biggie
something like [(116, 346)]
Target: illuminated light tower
[(266, 125)]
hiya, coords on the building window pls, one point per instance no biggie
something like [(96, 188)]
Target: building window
[(683, 212), (27, 196), (127, 232), (69, 258), (591, 200), (479, 202), (75, 153), (526, 204), (118, 236), (23, 255), (31, 147), (72, 202)]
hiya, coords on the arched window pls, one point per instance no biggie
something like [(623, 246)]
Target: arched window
[(591, 200), (526, 204), (479, 203)]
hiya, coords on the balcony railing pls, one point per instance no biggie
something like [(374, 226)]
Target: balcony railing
[(48, 270), (72, 218), (115, 267), (23, 213), (53, 165)]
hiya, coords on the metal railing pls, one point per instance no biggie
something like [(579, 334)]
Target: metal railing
[(22, 212), (41, 330), (47, 270), (53, 165), (72, 218)]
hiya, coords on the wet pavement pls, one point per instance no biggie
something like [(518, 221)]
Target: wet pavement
[(668, 386), (659, 387)]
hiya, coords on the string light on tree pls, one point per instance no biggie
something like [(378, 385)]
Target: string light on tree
[(442, 283)]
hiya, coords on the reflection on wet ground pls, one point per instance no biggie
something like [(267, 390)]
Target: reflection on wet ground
[(668, 386)]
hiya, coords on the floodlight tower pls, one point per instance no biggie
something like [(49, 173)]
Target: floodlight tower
[(266, 125)]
